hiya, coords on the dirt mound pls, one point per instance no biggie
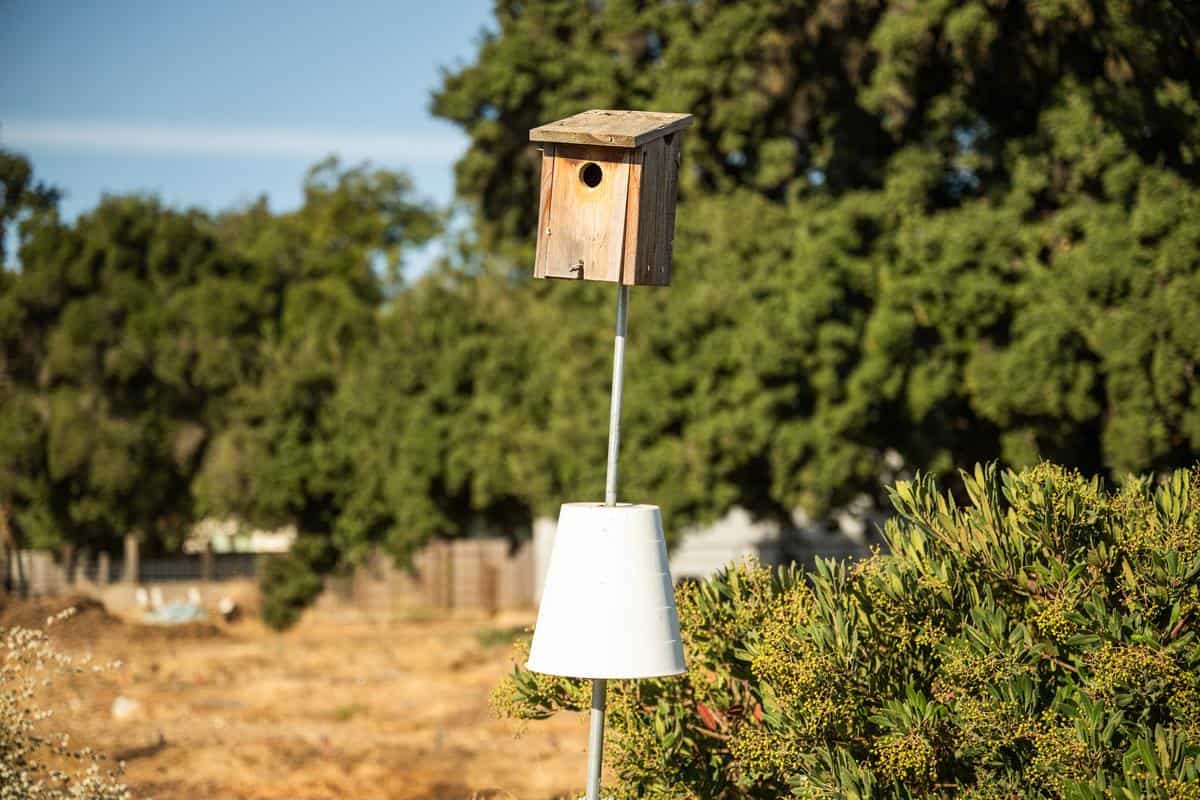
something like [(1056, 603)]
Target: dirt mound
[(90, 617), (91, 620)]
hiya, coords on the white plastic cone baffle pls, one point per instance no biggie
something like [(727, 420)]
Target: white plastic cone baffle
[(608, 606)]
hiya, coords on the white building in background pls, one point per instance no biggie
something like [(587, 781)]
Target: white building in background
[(231, 535), (734, 537)]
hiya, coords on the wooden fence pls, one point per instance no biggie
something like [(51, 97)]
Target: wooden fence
[(487, 575)]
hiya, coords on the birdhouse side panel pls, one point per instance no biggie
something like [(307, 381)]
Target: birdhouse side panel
[(581, 229), (670, 201), (545, 192), (650, 240)]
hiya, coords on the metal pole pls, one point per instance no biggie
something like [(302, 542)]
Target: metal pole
[(600, 685), (596, 738), (618, 382)]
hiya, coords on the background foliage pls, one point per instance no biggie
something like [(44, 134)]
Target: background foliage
[(921, 235), (158, 365), (1036, 641), (958, 230)]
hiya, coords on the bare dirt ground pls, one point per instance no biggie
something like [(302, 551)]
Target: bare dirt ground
[(327, 710)]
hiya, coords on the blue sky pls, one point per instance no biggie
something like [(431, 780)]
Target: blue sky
[(212, 104)]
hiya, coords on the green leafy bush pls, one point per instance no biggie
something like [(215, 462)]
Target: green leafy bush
[(1036, 641), (290, 583)]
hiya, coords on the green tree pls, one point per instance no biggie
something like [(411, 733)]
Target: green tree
[(94, 350), (24, 205), (23, 200), (329, 267), (799, 99), (283, 455), (439, 422), (946, 232), (154, 358)]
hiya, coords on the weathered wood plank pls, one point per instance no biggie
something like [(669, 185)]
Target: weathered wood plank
[(670, 195), (584, 231), (609, 128), (649, 211), (544, 196), (629, 259)]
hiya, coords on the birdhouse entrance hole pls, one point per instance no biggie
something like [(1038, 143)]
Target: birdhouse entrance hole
[(591, 174)]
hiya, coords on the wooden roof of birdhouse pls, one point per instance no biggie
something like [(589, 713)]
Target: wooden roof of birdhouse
[(611, 128)]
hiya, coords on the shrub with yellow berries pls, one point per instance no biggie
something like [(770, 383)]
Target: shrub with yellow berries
[(1034, 639)]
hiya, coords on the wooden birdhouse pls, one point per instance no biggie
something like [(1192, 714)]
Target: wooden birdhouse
[(607, 205)]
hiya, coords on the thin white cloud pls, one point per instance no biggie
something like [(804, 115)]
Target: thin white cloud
[(137, 139)]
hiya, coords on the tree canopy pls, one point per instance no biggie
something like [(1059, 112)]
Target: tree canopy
[(159, 364), (950, 231)]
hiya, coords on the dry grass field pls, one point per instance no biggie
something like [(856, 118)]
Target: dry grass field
[(327, 710)]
